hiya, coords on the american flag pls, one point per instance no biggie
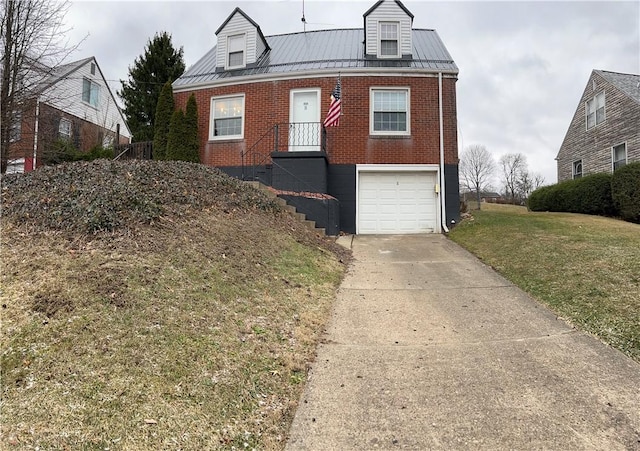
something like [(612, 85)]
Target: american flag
[(333, 115)]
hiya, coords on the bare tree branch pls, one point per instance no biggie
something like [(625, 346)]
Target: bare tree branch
[(477, 167), (513, 166)]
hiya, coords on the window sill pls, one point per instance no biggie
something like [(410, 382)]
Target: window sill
[(90, 105), (390, 136), (226, 140), (596, 126)]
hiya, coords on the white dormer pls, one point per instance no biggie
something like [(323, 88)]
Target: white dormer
[(240, 42), (387, 28)]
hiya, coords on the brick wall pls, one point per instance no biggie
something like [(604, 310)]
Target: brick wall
[(85, 134), (267, 103), (594, 146)]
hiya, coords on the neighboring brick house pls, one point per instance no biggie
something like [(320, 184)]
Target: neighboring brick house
[(392, 162), (605, 131), (74, 103)]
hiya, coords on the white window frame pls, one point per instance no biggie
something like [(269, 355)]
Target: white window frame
[(244, 51), (613, 156), (372, 91), (399, 50), (64, 128), (94, 92), (212, 118), (587, 106), (573, 169)]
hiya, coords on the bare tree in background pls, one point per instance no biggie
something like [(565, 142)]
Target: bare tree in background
[(477, 167), (538, 181), (33, 46), (512, 167), (527, 183)]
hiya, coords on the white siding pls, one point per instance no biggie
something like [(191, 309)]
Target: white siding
[(388, 11), (66, 95), (238, 25), (260, 47)]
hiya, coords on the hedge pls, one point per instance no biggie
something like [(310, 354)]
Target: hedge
[(589, 195), (625, 190)]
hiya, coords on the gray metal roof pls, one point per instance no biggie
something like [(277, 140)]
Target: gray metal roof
[(627, 83), (329, 50)]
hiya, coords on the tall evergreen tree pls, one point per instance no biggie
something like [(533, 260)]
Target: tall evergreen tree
[(191, 130), (160, 63), (176, 142), (164, 111)]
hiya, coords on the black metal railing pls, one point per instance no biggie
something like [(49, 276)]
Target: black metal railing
[(284, 137)]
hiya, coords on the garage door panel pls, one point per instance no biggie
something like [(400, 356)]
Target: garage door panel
[(397, 202)]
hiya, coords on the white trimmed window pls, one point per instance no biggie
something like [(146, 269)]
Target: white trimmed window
[(619, 155), (227, 118), (90, 92), (236, 46), (595, 111), (64, 128), (577, 169), (389, 111), (389, 44)]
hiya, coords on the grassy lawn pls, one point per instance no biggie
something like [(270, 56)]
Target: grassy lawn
[(193, 332), (586, 268)]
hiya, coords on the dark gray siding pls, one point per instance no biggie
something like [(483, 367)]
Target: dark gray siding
[(342, 185), (452, 194)]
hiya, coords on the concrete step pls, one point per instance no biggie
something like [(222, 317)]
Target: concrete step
[(311, 225)]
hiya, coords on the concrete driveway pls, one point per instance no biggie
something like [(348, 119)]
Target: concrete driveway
[(428, 348)]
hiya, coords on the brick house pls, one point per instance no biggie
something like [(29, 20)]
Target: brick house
[(605, 131), (73, 104), (391, 164)]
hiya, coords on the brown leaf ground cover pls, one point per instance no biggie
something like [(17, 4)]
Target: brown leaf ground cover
[(154, 305)]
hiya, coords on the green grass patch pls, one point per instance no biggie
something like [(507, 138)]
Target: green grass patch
[(192, 334), (586, 268)]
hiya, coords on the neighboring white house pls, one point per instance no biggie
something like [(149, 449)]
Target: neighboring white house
[(73, 103)]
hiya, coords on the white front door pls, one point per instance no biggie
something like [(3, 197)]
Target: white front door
[(304, 119)]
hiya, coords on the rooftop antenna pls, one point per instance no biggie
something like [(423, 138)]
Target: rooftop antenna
[(304, 21)]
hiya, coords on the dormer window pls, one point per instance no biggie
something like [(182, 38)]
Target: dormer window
[(388, 31), (236, 51), (389, 47)]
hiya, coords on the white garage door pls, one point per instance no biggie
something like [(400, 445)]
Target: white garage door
[(397, 202)]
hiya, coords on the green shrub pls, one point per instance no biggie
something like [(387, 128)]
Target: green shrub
[(539, 199), (95, 153), (63, 150), (59, 151), (589, 195), (592, 195), (176, 139), (625, 190), (191, 131), (164, 110)]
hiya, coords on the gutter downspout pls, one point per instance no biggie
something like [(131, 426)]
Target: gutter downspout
[(35, 135), (443, 214)]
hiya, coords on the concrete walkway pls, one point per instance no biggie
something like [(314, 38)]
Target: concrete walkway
[(430, 349)]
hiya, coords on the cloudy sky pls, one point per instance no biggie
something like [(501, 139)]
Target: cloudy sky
[(523, 65)]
